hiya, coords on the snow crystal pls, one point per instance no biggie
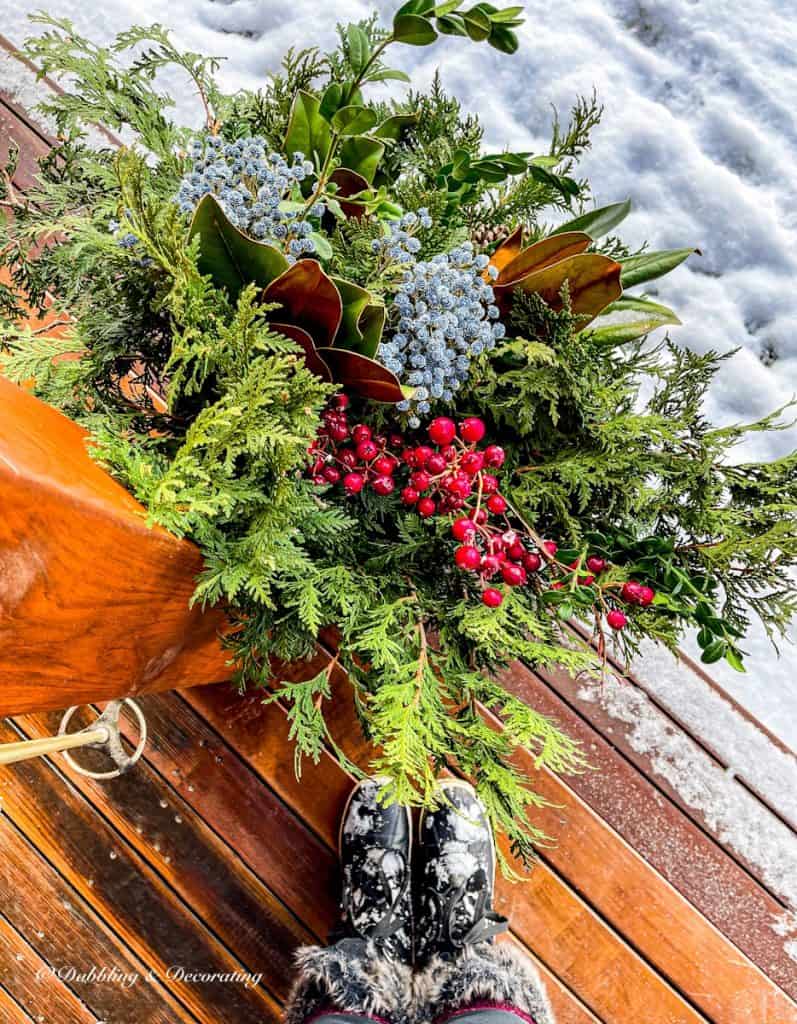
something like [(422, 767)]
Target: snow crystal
[(735, 816)]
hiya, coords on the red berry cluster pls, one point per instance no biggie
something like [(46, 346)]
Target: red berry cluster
[(449, 475)]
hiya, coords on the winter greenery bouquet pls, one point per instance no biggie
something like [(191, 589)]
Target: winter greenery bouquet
[(338, 345)]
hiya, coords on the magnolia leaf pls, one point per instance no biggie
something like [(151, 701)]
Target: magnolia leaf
[(323, 249), (307, 132), (637, 305), (629, 330), (503, 39), (392, 127), (413, 30), (507, 250), (446, 8), (362, 154), (349, 183), (650, 265), (421, 7), (543, 254), (598, 222), (231, 258), (309, 299), (362, 320), (593, 282), (315, 364), (567, 186), (353, 120), (363, 376), (449, 26)]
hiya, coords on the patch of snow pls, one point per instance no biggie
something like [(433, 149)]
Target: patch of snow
[(746, 750), (730, 812)]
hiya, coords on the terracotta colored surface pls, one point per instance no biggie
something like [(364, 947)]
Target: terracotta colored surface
[(93, 603)]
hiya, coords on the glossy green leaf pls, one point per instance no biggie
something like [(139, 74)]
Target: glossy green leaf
[(631, 302), (231, 258), (506, 15), (422, 7), (362, 154), (567, 186), (359, 47), (388, 75), (650, 265), (392, 127), (307, 132), (354, 120), (713, 652), (413, 30), (734, 659), (322, 247), (598, 222), (446, 8), (503, 39), (477, 24), (331, 100), (629, 330), (448, 25)]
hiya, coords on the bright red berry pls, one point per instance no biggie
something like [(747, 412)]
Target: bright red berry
[(338, 431), (532, 562), (586, 581), (426, 507), (494, 456), (472, 430), (468, 557), (617, 619), (489, 483), (596, 564), (422, 454), (409, 495), (384, 485), (496, 504), (632, 592), (646, 596), (385, 465), (490, 565), (348, 457), (480, 517), (353, 483), (557, 586), (341, 401), (458, 487), (366, 450), (449, 452), (463, 529), (442, 430), (420, 480), (436, 464), (332, 474), (516, 551), (319, 480), (472, 463), (361, 432), (514, 575), (551, 547), (492, 597), (408, 457), (396, 440)]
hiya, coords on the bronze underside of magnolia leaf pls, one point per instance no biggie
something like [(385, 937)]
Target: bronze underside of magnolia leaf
[(593, 281)]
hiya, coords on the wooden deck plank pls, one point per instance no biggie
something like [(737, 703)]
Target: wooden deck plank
[(14, 129), (10, 1010), (619, 733), (216, 782), (661, 833), (66, 635), (110, 875), (546, 915), (57, 921), (206, 872), (25, 977)]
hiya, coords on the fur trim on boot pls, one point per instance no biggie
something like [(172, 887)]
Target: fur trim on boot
[(498, 974), (351, 977)]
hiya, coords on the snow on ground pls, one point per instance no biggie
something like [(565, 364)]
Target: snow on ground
[(700, 131)]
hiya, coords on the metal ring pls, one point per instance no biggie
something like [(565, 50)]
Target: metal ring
[(119, 770)]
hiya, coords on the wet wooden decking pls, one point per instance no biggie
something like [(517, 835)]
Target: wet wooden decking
[(133, 900)]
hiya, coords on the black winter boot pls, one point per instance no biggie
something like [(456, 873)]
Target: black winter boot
[(456, 875)]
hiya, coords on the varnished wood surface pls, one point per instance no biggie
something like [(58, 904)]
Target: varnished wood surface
[(94, 603), (213, 854)]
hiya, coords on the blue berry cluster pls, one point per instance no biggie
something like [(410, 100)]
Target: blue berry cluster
[(446, 316), (401, 246), (255, 189)]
